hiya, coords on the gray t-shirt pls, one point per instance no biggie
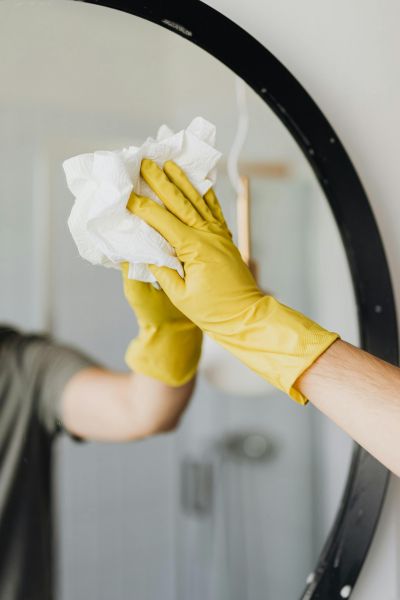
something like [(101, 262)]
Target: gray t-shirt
[(33, 374)]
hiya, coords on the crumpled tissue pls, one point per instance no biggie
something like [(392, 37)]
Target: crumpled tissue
[(105, 232)]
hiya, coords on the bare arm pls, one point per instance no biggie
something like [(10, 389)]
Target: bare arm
[(106, 406), (361, 394)]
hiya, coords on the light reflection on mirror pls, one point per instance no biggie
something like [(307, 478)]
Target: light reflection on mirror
[(237, 503)]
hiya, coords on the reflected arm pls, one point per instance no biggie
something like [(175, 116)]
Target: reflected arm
[(107, 406), (361, 394)]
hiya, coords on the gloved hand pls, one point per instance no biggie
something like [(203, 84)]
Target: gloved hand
[(168, 346), (218, 292)]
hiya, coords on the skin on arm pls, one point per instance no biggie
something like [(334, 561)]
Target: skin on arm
[(108, 406), (361, 394), (99, 404)]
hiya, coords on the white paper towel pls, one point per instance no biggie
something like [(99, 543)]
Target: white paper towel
[(105, 232)]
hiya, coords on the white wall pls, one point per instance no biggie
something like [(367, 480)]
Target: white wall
[(280, 30), (347, 56)]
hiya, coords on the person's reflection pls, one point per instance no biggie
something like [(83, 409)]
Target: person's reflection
[(46, 387)]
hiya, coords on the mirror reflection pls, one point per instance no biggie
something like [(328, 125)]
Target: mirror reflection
[(236, 501)]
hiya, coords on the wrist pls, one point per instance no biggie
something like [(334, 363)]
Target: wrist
[(169, 353), (277, 342)]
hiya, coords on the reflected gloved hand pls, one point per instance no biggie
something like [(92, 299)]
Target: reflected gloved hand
[(218, 292), (168, 346)]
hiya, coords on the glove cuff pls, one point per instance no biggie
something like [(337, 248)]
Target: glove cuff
[(278, 343), (169, 353)]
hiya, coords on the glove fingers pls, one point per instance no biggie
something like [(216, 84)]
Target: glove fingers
[(170, 227), (132, 287), (212, 202), (170, 281), (170, 195), (124, 269), (178, 177), (129, 284)]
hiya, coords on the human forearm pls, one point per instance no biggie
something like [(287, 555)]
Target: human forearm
[(361, 394), (104, 405), (108, 406), (155, 406)]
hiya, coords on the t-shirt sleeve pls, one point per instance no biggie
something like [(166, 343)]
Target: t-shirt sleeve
[(48, 366)]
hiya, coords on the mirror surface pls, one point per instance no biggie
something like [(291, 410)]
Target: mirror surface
[(77, 78)]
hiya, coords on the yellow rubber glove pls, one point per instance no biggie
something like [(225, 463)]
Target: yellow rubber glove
[(218, 292), (168, 346)]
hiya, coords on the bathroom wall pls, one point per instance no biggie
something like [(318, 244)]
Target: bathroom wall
[(92, 537), (346, 56)]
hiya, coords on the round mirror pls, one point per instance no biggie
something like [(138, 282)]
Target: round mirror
[(238, 502)]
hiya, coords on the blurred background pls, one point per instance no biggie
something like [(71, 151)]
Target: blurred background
[(238, 502)]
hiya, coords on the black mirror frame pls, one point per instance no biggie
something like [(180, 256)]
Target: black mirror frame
[(347, 545)]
